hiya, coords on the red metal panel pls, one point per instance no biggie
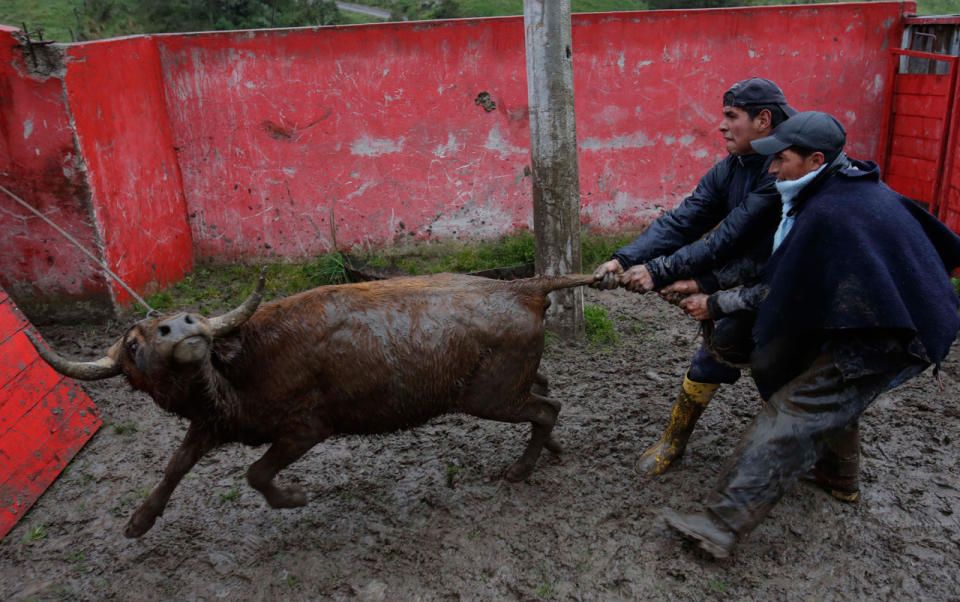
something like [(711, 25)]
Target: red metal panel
[(16, 356), (123, 130), (950, 192), (917, 131), (923, 83), (927, 128), (10, 321), (919, 148), (19, 396), (915, 188), (40, 447), (39, 162), (916, 104), (44, 420), (913, 168)]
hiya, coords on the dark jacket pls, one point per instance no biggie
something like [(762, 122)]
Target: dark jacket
[(860, 258), (737, 197)]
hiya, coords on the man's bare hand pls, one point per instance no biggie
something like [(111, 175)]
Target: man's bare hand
[(608, 275), (696, 307), (683, 287), (672, 298), (637, 279)]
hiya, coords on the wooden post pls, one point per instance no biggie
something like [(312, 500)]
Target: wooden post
[(553, 146)]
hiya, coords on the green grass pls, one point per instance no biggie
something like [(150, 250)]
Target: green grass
[(35, 534), (452, 471), (599, 326), (230, 496), (460, 257), (63, 20), (66, 21), (210, 288), (127, 428)]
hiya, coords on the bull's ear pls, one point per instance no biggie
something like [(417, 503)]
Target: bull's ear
[(104, 367), (226, 323)]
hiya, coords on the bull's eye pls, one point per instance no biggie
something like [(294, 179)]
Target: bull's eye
[(132, 347), (164, 331)]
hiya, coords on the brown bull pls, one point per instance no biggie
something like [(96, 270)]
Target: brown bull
[(357, 358)]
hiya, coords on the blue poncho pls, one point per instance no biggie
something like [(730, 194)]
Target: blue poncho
[(860, 256)]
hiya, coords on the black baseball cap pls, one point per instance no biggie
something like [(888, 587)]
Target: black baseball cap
[(757, 91), (810, 130)]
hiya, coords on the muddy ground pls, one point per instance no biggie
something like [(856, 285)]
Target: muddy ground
[(425, 515)]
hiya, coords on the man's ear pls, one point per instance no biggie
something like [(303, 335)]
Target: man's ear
[(816, 160), (763, 120)]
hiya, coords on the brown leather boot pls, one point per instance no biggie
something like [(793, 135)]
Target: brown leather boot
[(691, 401), (838, 470), (710, 534)]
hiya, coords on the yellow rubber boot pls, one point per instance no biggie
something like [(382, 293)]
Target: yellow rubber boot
[(691, 401)]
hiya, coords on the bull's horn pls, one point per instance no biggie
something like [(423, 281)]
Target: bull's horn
[(226, 323), (104, 367)]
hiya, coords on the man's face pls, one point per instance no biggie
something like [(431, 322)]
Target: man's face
[(790, 165), (738, 129)]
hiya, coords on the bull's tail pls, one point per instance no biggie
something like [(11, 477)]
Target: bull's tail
[(541, 285)]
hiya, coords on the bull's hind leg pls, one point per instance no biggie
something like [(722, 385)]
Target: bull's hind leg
[(281, 454), (541, 412), (541, 386)]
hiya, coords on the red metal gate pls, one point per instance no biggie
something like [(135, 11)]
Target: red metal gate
[(44, 419), (921, 120), (921, 136)]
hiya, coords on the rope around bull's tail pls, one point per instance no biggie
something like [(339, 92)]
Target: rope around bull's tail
[(101, 264)]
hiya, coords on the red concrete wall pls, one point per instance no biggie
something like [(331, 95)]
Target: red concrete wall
[(374, 124), (44, 419), (116, 100), (377, 124), (40, 163), (259, 137)]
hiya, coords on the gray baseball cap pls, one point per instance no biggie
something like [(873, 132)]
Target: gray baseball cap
[(757, 91), (811, 130)]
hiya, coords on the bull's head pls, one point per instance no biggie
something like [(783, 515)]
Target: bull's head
[(177, 339)]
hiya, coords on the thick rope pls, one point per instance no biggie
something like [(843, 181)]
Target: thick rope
[(102, 265)]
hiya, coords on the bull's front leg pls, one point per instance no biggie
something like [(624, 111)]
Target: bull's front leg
[(280, 455), (196, 443)]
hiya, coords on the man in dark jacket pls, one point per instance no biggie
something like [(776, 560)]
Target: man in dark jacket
[(859, 301), (737, 207)]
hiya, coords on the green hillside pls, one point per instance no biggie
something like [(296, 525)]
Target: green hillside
[(72, 20)]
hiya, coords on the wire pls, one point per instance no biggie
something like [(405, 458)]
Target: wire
[(94, 258)]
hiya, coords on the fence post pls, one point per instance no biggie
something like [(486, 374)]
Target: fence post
[(553, 147)]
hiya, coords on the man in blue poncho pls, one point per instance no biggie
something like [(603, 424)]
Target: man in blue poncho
[(858, 301)]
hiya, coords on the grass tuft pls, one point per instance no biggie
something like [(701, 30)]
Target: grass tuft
[(599, 327)]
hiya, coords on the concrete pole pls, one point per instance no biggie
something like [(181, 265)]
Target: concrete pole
[(553, 145)]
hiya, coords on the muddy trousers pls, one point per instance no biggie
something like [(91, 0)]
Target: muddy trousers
[(802, 420)]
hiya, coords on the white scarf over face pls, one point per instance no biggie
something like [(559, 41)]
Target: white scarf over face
[(789, 189)]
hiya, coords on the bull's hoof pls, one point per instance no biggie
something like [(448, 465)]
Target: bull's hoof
[(553, 445), (292, 497), (519, 472), (139, 524)]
